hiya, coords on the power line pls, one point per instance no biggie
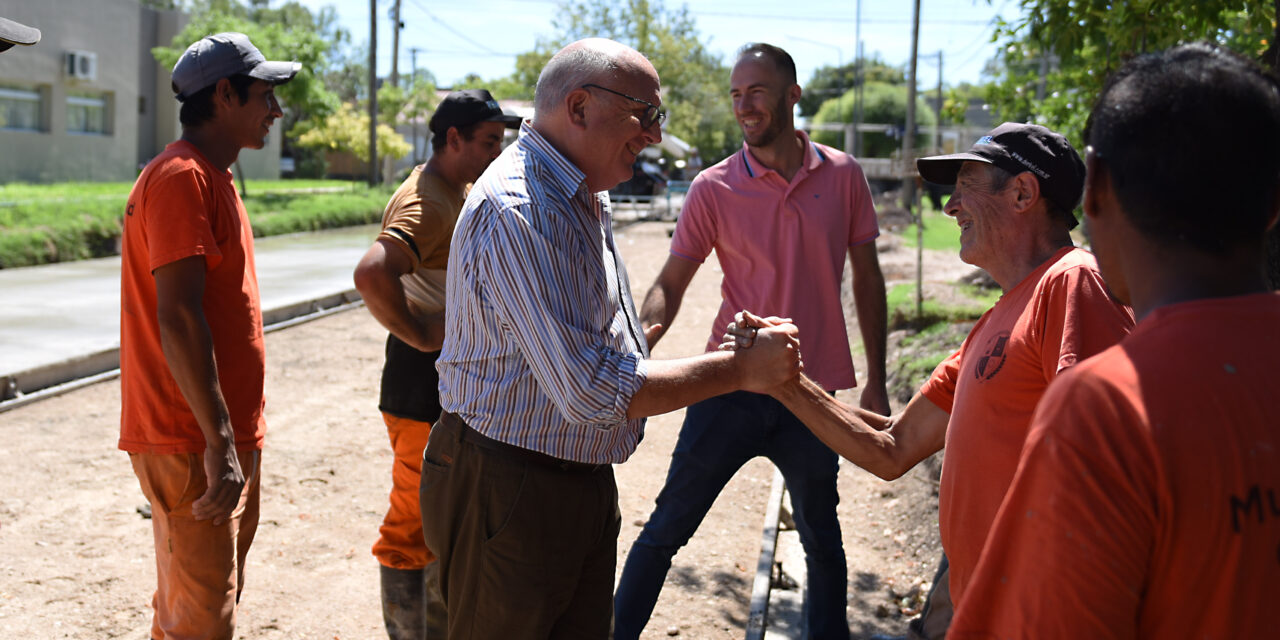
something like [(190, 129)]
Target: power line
[(457, 52), (455, 32), (828, 19)]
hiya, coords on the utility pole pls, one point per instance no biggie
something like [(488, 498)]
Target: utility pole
[(373, 92), (937, 111), (396, 26), (413, 85), (859, 80), (389, 163), (909, 137), (908, 160)]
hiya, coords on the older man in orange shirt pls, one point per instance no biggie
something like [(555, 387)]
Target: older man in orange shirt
[(1145, 502), (1015, 191)]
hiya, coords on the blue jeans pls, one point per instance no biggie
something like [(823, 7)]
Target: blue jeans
[(718, 437)]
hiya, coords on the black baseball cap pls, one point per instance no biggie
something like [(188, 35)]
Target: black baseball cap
[(12, 33), (1017, 147), (466, 107), (222, 55)]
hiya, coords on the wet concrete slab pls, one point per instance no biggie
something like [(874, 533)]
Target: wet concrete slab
[(56, 312)]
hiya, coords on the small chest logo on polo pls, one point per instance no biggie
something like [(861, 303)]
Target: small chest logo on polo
[(993, 357)]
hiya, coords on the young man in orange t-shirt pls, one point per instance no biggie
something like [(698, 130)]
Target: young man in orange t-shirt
[(1015, 190), (191, 350), (1145, 504)]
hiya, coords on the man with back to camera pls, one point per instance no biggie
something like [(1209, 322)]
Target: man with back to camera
[(1145, 502), (402, 279), (191, 349), (544, 376), (1015, 190), (781, 215)]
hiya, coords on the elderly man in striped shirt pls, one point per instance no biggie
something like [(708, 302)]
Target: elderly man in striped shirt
[(545, 379)]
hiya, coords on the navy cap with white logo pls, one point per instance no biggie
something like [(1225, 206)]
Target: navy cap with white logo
[(1017, 147), (222, 55)]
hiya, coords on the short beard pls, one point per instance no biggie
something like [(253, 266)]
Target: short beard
[(769, 135)]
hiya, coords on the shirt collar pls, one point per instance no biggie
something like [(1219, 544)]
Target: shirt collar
[(565, 174), (813, 157)]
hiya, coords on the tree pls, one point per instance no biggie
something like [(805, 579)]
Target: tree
[(1074, 44), (695, 83), (831, 82), (1054, 60), (290, 32), (347, 129), (884, 103), (507, 88)]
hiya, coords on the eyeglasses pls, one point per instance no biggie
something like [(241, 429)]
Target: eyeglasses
[(653, 114)]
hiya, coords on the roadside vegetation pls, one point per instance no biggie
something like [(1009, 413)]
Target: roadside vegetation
[(922, 338), (940, 231), (40, 224)]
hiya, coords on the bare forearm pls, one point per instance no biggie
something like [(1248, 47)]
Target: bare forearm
[(659, 308), (663, 299), (857, 435), (188, 351), (391, 309), (378, 281), (674, 384), (869, 298)]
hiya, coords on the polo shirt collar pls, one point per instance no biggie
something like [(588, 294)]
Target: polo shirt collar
[(813, 157)]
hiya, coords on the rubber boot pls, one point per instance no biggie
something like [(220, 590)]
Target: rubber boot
[(437, 615), (404, 603)]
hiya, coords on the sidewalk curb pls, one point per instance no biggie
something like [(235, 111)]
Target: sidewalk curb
[(48, 380)]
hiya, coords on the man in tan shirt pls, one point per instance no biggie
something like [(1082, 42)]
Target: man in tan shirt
[(402, 279)]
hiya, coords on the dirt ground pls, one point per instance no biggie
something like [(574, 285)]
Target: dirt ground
[(77, 560)]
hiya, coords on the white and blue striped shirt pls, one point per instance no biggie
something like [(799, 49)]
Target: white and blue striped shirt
[(543, 348)]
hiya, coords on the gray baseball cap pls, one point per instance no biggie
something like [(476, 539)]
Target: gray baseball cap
[(221, 55), (12, 33)]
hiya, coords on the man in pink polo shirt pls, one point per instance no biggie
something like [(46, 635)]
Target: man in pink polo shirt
[(781, 215)]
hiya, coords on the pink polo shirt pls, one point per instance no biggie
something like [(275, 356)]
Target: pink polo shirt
[(783, 246)]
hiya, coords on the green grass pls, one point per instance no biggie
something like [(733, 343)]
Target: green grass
[(74, 221), (936, 334), (940, 231), (901, 302)]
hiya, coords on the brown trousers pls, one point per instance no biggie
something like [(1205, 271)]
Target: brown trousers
[(527, 543), (199, 566)]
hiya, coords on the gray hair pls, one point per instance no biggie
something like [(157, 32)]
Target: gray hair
[(574, 66)]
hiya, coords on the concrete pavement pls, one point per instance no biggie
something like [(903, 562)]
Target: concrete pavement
[(62, 321)]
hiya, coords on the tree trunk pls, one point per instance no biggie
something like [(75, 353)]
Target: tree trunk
[(1271, 57)]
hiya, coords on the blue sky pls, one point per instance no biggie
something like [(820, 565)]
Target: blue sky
[(483, 36)]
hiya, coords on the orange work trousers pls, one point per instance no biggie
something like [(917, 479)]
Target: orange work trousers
[(199, 565), (400, 544)]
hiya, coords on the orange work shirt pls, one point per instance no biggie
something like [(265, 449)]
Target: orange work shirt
[(1147, 500), (182, 206), (1058, 315)]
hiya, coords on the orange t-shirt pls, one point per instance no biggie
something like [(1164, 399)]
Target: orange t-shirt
[(1147, 500), (182, 206), (1060, 314)]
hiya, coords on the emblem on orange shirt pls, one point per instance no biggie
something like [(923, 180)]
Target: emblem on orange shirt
[(993, 357)]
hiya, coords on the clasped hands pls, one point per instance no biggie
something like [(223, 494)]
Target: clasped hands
[(769, 349)]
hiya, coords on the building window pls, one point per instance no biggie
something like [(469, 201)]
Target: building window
[(88, 113), (21, 109)]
